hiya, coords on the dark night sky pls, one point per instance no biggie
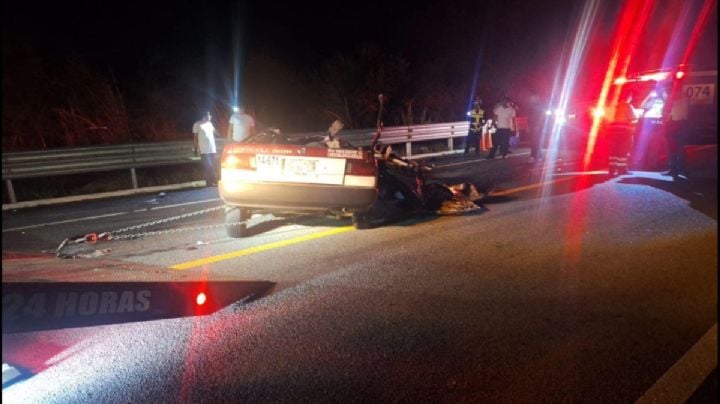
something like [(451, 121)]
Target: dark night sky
[(121, 34), (185, 38)]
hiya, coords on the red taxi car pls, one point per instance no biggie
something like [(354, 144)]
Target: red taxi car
[(294, 176)]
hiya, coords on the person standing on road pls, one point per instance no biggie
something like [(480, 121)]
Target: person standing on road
[(675, 136), (204, 141), (505, 119), (535, 114), (620, 136), (242, 125), (476, 117)]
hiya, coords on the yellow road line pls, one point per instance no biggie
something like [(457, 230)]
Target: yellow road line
[(260, 248), (296, 240), (525, 188)]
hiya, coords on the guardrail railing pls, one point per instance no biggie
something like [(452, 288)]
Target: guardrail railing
[(79, 160), (406, 135)]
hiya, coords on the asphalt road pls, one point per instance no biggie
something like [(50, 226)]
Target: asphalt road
[(567, 286)]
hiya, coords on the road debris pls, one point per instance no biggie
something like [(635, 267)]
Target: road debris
[(402, 186)]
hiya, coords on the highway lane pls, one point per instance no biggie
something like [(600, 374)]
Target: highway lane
[(588, 289)]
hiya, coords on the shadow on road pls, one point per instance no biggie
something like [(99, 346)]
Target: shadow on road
[(700, 192)]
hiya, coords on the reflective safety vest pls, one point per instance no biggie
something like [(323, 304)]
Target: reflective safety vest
[(477, 119)]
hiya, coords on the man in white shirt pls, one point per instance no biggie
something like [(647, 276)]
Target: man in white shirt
[(242, 125), (204, 140), (505, 120)]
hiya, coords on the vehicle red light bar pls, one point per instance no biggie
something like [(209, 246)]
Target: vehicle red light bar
[(659, 76), (655, 76)]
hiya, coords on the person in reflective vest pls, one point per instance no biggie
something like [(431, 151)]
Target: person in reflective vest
[(620, 136), (476, 118)]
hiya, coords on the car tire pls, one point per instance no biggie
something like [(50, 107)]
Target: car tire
[(361, 220), (233, 215)]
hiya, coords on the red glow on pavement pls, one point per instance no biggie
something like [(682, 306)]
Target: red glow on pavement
[(632, 23), (648, 35), (30, 353)]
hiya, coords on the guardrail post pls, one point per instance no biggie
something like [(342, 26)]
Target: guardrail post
[(450, 141), (11, 191), (134, 178), (408, 144)]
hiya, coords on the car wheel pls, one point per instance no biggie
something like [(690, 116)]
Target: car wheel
[(361, 220), (233, 215)]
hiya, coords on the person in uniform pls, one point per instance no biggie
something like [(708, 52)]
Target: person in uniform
[(476, 118), (620, 136)]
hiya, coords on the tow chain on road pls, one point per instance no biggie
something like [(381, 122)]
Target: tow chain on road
[(92, 238)]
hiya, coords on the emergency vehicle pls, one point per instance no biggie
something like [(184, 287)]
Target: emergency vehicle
[(653, 95)]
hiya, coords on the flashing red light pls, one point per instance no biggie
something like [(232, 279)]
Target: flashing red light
[(620, 81), (200, 299), (679, 74), (659, 76)]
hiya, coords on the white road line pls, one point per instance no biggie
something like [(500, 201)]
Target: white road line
[(81, 219), (679, 383)]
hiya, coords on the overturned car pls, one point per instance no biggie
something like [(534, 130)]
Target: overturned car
[(275, 173)]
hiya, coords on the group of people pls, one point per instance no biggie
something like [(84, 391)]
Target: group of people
[(501, 127), (668, 113), (621, 131), (241, 127)]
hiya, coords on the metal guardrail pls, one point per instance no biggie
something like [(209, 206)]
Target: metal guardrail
[(406, 135), (79, 160)]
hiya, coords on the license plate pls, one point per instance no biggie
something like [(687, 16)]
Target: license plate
[(302, 167), (315, 170)]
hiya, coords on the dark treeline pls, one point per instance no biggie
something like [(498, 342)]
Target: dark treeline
[(66, 101), (437, 59)]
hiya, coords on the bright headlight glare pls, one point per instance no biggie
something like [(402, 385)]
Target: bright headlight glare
[(231, 161)]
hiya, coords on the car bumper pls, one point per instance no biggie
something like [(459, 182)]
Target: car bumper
[(296, 197)]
